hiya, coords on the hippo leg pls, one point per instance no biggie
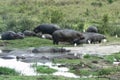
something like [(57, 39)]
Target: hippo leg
[(55, 42)]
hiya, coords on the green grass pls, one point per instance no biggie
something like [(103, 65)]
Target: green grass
[(24, 16), (93, 65), (37, 42), (29, 42), (67, 61), (7, 71), (45, 70), (49, 77), (112, 40), (111, 58)]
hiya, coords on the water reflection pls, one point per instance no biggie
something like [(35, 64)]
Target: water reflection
[(15, 60)]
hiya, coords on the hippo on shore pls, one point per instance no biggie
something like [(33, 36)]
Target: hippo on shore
[(29, 33), (66, 35), (92, 29), (10, 35), (46, 28), (90, 37)]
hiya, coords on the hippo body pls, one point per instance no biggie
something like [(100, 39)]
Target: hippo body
[(66, 35), (92, 38), (11, 35), (46, 28), (29, 33), (92, 29), (49, 50), (47, 36), (20, 35)]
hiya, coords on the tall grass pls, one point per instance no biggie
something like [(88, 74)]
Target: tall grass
[(27, 14)]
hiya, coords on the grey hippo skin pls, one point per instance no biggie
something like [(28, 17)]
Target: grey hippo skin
[(46, 28), (92, 29), (29, 33), (66, 35), (10, 35), (92, 38), (49, 50), (47, 36), (20, 35)]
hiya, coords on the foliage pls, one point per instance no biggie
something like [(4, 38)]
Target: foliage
[(67, 61), (27, 42), (43, 77), (110, 1), (113, 57), (7, 71), (45, 69), (24, 14)]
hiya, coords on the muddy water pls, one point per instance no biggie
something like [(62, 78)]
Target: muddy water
[(22, 61)]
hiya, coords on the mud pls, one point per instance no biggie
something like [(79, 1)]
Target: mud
[(28, 57)]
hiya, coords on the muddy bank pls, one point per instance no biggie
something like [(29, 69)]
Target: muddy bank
[(44, 56), (96, 49)]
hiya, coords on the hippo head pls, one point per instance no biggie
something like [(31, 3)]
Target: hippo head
[(36, 30), (104, 39), (80, 36), (20, 35), (78, 40)]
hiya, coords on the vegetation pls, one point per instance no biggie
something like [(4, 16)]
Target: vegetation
[(8, 71), (37, 42), (49, 77), (45, 69), (92, 65), (23, 15), (112, 58)]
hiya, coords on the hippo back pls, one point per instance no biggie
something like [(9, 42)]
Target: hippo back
[(92, 29), (9, 35), (46, 28)]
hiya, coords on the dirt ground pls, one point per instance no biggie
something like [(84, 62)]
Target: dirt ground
[(95, 49)]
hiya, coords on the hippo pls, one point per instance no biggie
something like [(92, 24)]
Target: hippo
[(46, 28), (90, 37), (10, 35), (20, 35), (66, 35), (92, 29), (49, 50), (29, 33), (47, 36)]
